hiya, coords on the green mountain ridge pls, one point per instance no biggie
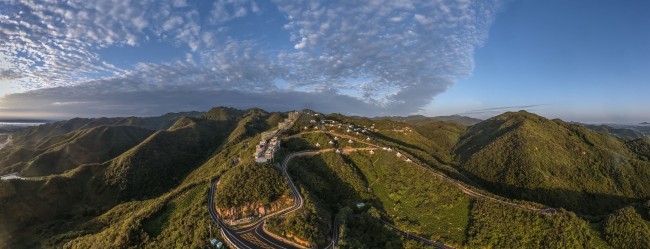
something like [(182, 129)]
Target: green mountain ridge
[(421, 119), (150, 168), (620, 132), (147, 188), (530, 157), (93, 145)]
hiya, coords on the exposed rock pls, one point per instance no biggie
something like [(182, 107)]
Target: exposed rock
[(254, 209)]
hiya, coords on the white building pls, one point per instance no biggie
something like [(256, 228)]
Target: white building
[(265, 152)]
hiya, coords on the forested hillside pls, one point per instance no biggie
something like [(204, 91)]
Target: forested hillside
[(159, 168), (529, 157), (105, 183)]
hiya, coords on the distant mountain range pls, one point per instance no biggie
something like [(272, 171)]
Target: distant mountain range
[(626, 131), (557, 163), (420, 119), (138, 182)]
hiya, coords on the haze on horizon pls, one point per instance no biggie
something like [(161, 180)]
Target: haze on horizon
[(577, 60)]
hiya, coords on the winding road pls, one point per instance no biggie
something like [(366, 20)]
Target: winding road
[(255, 236), (463, 187)]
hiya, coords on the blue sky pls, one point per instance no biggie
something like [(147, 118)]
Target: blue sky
[(577, 60)]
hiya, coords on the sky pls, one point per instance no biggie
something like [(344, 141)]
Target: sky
[(579, 60)]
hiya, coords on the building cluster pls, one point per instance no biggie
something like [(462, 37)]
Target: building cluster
[(354, 129), (288, 122), (269, 143), (266, 151)]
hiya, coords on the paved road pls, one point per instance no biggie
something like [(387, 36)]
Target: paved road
[(254, 235), (416, 237), (463, 187)]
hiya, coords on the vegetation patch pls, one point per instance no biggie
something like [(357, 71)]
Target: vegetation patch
[(413, 198), (251, 183), (497, 225), (626, 229)]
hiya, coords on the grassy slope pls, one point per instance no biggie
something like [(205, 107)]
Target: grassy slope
[(312, 223), (30, 143), (161, 161), (31, 209), (251, 183), (93, 145), (83, 193), (526, 156), (495, 225), (399, 191), (429, 142), (413, 198), (410, 200), (625, 228), (178, 218)]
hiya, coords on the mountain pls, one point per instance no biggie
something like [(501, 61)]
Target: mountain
[(93, 145), (55, 147), (420, 119), (155, 164), (34, 134), (121, 183), (620, 132), (525, 156), (644, 123)]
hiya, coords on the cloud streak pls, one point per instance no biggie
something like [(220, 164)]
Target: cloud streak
[(495, 110), (380, 57)]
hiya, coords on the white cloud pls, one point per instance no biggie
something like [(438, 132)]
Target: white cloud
[(417, 47), (70, 103), (301, 44), (179, 3), (56, 43), (392, 56), (8, 74), (172, 23)]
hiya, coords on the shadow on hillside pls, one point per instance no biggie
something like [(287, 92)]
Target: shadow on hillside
[(588, 205), (477, 137), (399, 142), (319, 178), (297, 144), (366, 228), (414, 148)]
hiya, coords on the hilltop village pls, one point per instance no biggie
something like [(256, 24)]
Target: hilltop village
[(269, 143)]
